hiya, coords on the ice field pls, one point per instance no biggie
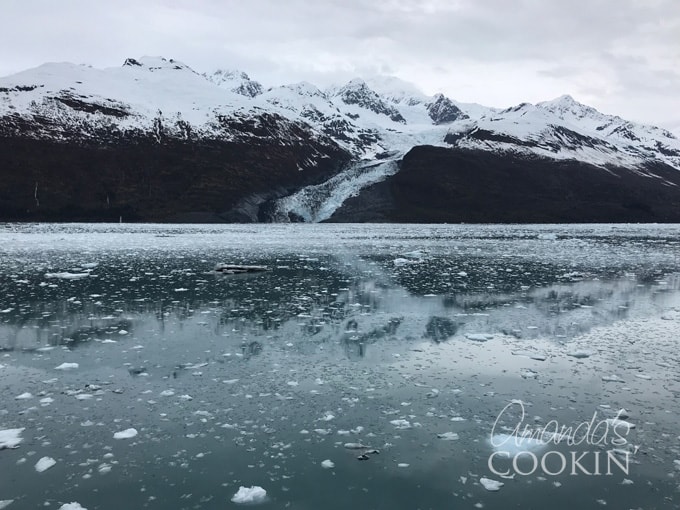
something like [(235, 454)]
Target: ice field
[(369, 368)]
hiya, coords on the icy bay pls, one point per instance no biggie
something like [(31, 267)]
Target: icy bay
[(369, 367)]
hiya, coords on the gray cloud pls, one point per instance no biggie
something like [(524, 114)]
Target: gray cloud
[(621, 55)]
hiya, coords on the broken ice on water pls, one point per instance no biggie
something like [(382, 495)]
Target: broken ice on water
[(368, 367)]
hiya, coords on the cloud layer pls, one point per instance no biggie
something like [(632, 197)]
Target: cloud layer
[(621, 56)]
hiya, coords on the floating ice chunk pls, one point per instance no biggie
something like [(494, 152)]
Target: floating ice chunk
[(676, 464), (616, 423), (491, 485), (253, 494), (643, 376), (167, 393), (67, 366), (23, 396), (44, 464), (448, 436), (125, 434), (67, 276), (230, 381), (328, 416), (479, 337), (46, 400), (355, 446), (10, 438), (612, 378), (530, 354), (580, 354), (292, 383), (72, 506), (528, 374), (401, 424), (403, 465), (626, 481), (4, 503), (401, 262), (122, 332), (90, 265), (622, 414), (327, 464), (322, 432)]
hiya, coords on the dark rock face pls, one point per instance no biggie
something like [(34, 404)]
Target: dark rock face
[(146, 179), (455, 185), (358, 93), (442, 110)]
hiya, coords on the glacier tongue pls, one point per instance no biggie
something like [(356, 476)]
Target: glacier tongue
[(318, 202)]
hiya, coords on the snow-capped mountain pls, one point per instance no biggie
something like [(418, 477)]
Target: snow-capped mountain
[(361, 129), (235, 81)]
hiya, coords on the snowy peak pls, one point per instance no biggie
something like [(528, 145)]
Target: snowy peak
[(235, 81), (564, 129), (156, 64), (304, 89), (442, 110), (379, 118), (357, 92)]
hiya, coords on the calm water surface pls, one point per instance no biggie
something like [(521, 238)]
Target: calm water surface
[(407, 339)]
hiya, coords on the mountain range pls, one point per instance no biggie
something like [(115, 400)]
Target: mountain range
[(154, 140)]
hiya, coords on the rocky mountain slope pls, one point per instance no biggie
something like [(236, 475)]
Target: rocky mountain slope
[(153, 140)]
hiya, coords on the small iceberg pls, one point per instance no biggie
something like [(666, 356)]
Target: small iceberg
[(125, 434), (10, 438), (238, 269), (491, 485), (44, 464), (67, 366), (478, 337), (67, 276), (253, 494)]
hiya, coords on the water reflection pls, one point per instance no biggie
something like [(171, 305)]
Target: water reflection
[(353, 303)]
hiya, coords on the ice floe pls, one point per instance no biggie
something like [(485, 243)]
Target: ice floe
[(67, 366), (125, 434), (448, 436), (254, 494), (491, 485), (44, 464), (478, 337), (10, 438)]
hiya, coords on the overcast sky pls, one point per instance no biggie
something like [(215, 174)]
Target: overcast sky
[(621, 56)]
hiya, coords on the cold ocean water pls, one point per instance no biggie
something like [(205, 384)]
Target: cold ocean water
[(143, 379)]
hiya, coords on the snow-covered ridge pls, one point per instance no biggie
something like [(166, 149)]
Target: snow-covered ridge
[(375, 120)]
